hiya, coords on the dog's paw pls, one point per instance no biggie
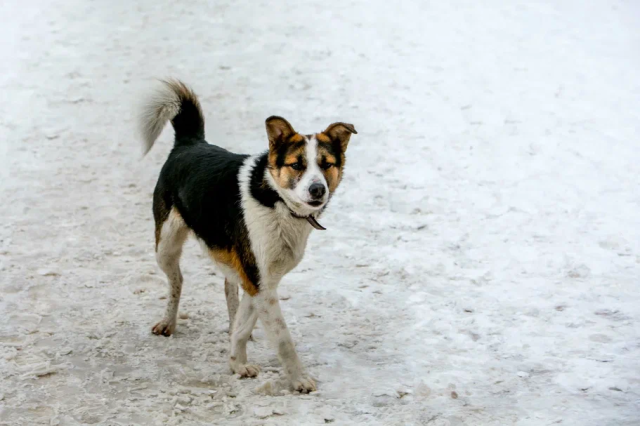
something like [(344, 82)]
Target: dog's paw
[(244, 370), (164, 328), (304, 384)]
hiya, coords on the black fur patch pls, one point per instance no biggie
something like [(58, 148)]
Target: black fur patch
[(201, 182), (259, 188), (334, 148), (284, 149)]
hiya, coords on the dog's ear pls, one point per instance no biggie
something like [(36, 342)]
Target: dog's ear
[(340, 132), (278, 130)]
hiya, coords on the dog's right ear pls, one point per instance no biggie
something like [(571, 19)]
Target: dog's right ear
[(278, 130), (341, 132)]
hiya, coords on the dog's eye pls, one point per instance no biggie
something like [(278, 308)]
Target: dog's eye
[(296, 166), (326, 166)]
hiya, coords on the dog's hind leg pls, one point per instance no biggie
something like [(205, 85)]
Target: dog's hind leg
[(231, 293), (171, 236)]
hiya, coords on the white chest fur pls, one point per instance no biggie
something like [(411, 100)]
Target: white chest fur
[(277, 238)]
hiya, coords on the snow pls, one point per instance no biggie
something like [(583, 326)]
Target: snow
[(482, 260)]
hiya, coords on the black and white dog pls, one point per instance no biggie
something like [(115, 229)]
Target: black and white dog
[(253, 214)]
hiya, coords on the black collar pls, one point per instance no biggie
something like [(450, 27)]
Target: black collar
[(312, 221)]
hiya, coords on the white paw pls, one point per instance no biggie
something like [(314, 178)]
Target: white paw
[(304, 384), (164, 328), (244, 370)]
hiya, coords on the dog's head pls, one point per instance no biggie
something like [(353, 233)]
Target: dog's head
[(306, 169)]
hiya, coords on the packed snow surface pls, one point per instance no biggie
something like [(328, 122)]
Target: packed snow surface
[(481, 264)]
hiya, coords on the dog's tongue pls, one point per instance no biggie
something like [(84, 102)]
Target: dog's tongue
[(312, 220)]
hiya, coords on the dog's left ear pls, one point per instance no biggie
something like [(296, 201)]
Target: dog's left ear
[(341, 132)]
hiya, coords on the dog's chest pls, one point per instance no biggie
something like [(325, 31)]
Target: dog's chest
[(278, 241)]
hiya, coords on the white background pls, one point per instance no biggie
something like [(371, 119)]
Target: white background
[(482, 260)]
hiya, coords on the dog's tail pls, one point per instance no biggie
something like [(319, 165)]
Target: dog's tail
[(176, 102)]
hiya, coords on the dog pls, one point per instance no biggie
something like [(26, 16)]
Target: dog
[(251, 213)]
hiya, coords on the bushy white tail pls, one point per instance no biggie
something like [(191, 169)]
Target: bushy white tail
[(172, 101)]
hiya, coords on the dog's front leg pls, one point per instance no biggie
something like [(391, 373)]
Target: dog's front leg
[(268, 307)]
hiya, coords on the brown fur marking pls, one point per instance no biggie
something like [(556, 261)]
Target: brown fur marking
[(231, 259), (321, 137)]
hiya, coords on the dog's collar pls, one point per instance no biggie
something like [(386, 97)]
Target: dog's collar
[(312, 221)]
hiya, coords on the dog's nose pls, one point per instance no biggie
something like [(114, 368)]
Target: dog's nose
[(317, 190)]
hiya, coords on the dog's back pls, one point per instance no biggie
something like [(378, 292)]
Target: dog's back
[(198, 181)]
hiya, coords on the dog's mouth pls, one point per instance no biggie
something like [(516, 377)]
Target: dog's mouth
[(315, 203)]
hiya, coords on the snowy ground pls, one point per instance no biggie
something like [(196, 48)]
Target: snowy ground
[(482, 260)]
